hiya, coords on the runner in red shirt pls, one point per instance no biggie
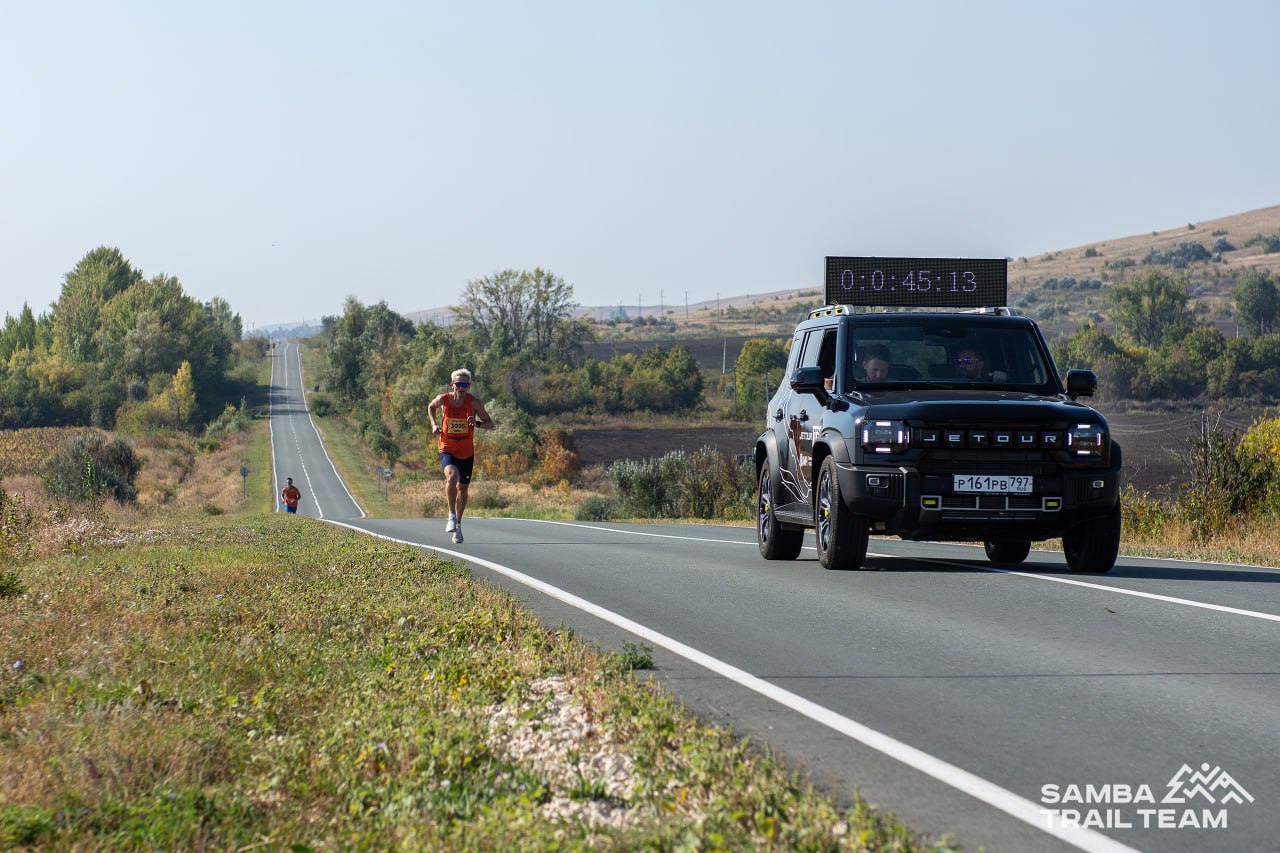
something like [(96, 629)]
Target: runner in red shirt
[(290, 495), (462, 413)]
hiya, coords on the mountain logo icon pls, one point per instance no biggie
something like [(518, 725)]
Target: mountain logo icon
[(1210, 781)]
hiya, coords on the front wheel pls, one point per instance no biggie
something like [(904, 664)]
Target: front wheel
[(1092, 546), (1007, 550), (842, 533), (776, 541)]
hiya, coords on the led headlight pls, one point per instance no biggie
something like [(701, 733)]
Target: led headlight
[(885, 436), (1089, 440)]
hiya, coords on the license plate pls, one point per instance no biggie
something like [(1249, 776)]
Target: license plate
[(1000, 484)]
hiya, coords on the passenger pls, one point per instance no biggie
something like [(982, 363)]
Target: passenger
[(875, 362), (971, 363)]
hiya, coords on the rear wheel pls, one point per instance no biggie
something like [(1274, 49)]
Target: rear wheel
[(1093, 545), (776, 541), (1007, 550), (841, 533)]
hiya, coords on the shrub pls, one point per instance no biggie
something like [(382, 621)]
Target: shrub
[(378, 437), (647, 488), (595, 509), (211, 508), (16, 524), (321, 406), (1222, 482), (1144, 516), (88, 466), (556, 457), (704, 484), (489, 499)]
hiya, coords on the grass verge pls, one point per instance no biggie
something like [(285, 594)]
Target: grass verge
[(268, 680)]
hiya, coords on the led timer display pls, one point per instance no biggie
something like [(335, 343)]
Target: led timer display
[(920, 282)]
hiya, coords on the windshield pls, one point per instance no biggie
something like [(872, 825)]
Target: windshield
[(921, 350)]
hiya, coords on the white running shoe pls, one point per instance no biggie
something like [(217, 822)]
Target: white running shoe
[(457, 534), (452, 524)]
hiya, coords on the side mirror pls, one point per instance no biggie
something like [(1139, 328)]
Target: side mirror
[(808, 380), (1081, 383)]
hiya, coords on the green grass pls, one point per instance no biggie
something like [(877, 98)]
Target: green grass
[(271, 681)]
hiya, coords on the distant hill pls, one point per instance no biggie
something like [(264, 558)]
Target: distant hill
[(1061, 289)]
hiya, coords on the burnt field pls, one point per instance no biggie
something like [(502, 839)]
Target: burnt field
[(1155, 445)]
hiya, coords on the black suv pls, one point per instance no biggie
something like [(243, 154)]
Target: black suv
[(938, 426)]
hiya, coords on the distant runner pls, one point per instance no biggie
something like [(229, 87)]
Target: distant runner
[(290, 495), (462, 414)]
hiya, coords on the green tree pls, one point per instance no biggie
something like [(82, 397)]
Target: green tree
[(18, 333), (184, 393), (1152, 308), (760, 356), (758, 371), (520, 311), (1258, 302), (99, 276)]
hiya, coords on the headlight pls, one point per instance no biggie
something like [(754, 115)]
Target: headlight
[(885, 436), (1088, 440)]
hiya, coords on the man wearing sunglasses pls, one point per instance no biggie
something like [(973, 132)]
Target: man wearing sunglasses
[(462, 413), (972, 364)]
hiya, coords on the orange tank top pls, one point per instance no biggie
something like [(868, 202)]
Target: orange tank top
[(456, 435)]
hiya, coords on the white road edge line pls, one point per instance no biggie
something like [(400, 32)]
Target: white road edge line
[(306, 407), (962, 780), (324, 450), (1168, 599)]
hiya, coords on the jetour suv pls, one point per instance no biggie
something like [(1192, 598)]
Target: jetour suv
[(932, 446)]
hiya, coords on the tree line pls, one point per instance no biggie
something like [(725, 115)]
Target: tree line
[(118, 345), (517, 332)]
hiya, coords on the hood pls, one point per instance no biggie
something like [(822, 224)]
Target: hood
[(942, 406)]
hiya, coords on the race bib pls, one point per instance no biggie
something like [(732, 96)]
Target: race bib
[(457, 427)]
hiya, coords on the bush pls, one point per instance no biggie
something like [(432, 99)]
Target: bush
[(88, 466), (595, 509), (556, 457), (321, 406), (1144, 516), (1222, 484), (488, 499), (16, 523), (646, 488), (704, 484)]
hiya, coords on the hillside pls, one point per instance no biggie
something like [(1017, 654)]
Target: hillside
[(1061, 289)]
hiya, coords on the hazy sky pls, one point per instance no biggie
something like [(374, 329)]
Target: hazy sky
[(285, 155)]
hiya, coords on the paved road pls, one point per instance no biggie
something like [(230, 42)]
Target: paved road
[(296, 448), (955, 695)]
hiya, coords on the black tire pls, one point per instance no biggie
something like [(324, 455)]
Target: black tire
[(1007, 550), (1092, 546), (841, 533), (776, 540)]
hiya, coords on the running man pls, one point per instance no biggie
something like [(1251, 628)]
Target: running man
[(457, 429), (290, 495)]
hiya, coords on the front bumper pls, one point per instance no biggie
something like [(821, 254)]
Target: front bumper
[(903, 501)]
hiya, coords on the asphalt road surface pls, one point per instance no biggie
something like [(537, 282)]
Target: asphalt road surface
[(296, 448), (1018, 710)]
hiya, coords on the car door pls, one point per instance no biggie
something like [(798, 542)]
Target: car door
[(803, 418)]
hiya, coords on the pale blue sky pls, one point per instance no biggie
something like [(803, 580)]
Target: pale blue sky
[(284, 155)]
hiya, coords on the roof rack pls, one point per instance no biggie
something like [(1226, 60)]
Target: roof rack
[(849, 310)]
